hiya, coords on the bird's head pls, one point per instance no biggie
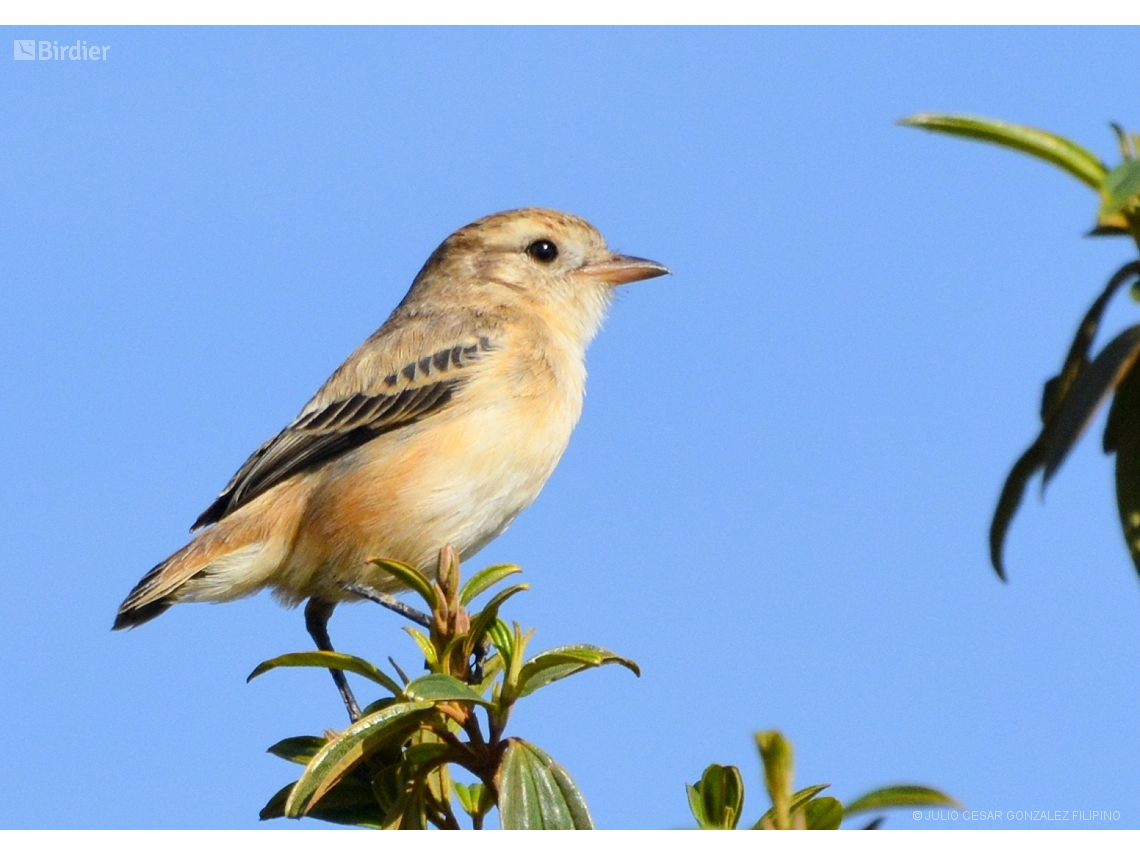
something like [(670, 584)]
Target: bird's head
[(554, 264)]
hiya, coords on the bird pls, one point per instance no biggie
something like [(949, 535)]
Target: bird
[(438, 430)]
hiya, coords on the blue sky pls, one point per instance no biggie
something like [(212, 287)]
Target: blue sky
[(776, 500)]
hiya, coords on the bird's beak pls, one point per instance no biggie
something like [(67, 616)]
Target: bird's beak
[(622, 269)]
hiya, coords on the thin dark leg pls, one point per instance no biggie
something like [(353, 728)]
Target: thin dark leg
[(317, 614)]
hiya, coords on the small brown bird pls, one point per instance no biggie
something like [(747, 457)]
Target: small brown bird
[(439, 429)]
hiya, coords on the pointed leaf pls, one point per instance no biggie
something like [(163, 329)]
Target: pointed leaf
[(409, 577), (900, 795), (275, 807), (1089, 390), (1056, 390), (1074, 159), (696, 805), (484, 579), (328, 659), (425, 646), (298, 749), (503, 639), (1011, 494), (536, 792), (468, 796), (560, 662), (1121, 186), (799, 799), (823, 814), (441, 687), (350, 802), (482, 621), (371, 733), (1122, 435), (1077, 358)]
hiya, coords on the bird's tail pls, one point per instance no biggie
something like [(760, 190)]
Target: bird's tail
[(222, 563)]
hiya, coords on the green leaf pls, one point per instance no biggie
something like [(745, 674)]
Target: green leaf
[(1121, 186), (350, 802), (275, 807), (1122, 435), (1056, 392), (779, 772), (537, 793), (799, 799), (1090, 389), (503, 639), (1074, 159), (468, 796), (560, 662), (1011, 494), (1077, 359), (298, 749), (717, 799), (696, 805), (823, 814), (328, 659), (409, 577), (425, 646), (482, 622), (441, 687), (900, 795), (371, 733), (378, 705), (425, 752), (484, 579)]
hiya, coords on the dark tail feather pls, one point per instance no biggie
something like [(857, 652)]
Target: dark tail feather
[(136, 608), (129, 618)]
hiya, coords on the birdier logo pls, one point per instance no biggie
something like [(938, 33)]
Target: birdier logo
[(30, 49)]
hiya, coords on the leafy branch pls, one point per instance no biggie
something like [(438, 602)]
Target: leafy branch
[(391, 768), (717, 799), (1071, 399)]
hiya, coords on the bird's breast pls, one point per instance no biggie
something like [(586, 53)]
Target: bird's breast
[(458, 477)]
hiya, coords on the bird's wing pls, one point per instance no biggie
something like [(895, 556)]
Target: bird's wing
[(337, 421)]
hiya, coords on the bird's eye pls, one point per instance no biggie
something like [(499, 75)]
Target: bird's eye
[(544, 251)]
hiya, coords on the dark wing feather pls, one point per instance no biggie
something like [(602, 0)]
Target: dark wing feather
[(320, 435)]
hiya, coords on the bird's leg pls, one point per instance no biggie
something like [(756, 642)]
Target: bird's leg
[(317, 614), (479, 656)]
